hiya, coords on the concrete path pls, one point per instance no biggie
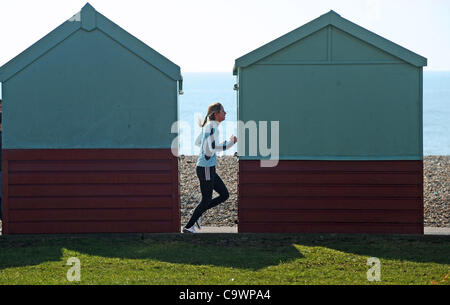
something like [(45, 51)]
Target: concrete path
[(437, 231), (218, 230), (428, 230), (231, 230)]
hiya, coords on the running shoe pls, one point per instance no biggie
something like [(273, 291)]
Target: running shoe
[(189, 230)]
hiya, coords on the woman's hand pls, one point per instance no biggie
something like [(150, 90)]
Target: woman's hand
[(233, 138)]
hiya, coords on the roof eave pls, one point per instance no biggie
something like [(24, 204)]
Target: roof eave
[(282, 41), (37, 49), (137, 47), (379, 42), (89, 19)]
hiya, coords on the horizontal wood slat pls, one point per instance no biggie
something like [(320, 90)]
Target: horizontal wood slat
[(333, 203), (373, 228), (90, 215), (88, 154), (90, 190), (328, 166), (284, 190), (331, 177), (365, 216), (89, 177), (89, 165), (90, 227), (104, 202)]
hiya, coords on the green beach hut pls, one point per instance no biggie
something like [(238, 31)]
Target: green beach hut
[(349, 107), (87, 116)]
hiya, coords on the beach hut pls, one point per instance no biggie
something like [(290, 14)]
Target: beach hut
[(88, 111), (349, 107)]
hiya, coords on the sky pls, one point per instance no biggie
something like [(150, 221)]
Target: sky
[(208, 35)]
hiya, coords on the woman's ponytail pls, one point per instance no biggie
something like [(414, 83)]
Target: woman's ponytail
[(200, 121), (212, 109)]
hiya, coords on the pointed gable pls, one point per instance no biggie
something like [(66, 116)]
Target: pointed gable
[(88, 19), (329, 38), (310, 48)]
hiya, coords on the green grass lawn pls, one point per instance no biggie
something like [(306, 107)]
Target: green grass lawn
[(224, 259)]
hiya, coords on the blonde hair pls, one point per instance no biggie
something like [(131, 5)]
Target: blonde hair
[(212, 109)]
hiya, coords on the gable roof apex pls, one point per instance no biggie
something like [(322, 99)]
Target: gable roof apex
[(89, 19), (331, 12), (88, 6), (334, 19)]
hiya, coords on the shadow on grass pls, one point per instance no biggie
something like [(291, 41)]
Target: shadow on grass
[(243, 251), (215, 249)]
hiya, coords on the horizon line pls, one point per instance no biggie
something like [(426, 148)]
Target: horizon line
[(425, 70)]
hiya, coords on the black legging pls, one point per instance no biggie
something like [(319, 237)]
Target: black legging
[(207, 186)]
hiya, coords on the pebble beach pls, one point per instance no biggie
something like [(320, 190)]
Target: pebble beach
[(436, 191)]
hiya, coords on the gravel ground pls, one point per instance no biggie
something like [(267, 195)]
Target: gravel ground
[(224, 214), (436, 191)]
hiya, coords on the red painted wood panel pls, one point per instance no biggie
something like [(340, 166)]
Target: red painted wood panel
[(103, 202), (90, 191), (5, 196), (88, 154), (333, 203), (104, 166), (65, 227), (327, 166), (43, 215), (176, 197), (90, 177), (332, 178), (354, 216), (76, 190), (328, 190), (349, 228), (331, 196)]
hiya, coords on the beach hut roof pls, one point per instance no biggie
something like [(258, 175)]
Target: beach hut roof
[(89, 19), (334, 19)]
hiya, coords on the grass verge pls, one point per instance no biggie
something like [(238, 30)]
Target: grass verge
[(243, 259)]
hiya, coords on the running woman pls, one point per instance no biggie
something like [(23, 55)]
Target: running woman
[(206, 165)]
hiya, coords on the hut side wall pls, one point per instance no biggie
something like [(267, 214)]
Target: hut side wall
[(89, 92), (87, 134), (350, 139), (336, 111), (90, 191), (337, 98), (331, 197)]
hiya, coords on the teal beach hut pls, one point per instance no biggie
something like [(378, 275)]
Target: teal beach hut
[(87, 116), (349, 107)]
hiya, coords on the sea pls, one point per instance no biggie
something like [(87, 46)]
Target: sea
[(203, 89)]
